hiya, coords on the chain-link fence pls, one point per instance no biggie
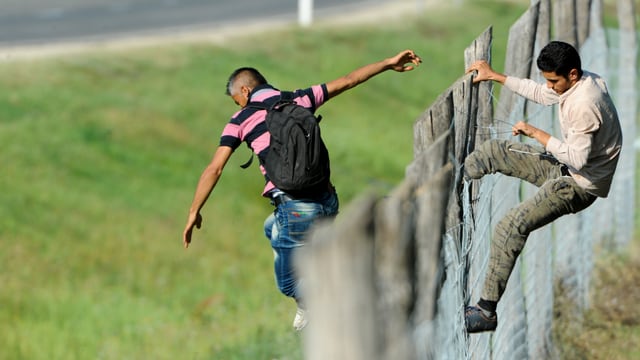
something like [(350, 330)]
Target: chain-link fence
[(391, 281)]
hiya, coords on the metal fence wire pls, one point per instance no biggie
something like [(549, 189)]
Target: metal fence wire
[(392, 283)]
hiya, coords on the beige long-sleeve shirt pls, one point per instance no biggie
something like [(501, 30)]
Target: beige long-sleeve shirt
[(591, 134)]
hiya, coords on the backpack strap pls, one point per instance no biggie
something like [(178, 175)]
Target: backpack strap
[(248, 163), (286, 97)]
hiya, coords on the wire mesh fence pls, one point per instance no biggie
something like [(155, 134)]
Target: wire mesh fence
[(403, 268)]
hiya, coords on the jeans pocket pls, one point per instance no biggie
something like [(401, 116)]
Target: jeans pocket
[(576, 198), (294, 219), (300, 219)]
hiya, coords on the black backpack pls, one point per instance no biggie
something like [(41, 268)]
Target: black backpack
[(297, 161)]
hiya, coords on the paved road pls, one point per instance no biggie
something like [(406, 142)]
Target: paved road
[(33, 22)]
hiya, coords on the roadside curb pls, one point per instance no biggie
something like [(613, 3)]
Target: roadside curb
[(214, 33)]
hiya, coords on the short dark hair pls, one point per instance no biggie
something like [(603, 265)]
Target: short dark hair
[(249, 75), (559, 57)]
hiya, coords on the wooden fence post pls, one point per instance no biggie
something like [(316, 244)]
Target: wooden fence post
[(433, 122), (564, 21), (337, 266), (481, 99), (627, 105), (518, 62), (371, 276)]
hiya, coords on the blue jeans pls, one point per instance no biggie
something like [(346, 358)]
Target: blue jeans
[(287, 227)]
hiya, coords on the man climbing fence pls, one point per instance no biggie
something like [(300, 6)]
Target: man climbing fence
[(571, 171)]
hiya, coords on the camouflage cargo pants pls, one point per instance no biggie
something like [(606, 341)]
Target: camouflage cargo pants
[(558, 195)]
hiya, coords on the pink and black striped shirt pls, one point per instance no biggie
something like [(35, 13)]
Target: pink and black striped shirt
[(248, 124)]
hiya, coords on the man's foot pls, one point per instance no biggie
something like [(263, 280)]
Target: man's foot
[(301, 319), (478, 320)]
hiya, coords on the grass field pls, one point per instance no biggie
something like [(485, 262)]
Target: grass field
[(101, 152), (610, 328)]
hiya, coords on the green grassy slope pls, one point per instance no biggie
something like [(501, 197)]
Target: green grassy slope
[(100, 156)]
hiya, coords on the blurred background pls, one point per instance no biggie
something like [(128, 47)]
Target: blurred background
[(45, 22)]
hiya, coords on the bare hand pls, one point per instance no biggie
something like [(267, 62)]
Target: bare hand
[(522, 128), (194, 220), (401, 61), (484, 71)]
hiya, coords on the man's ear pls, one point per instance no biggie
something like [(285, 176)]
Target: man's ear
[(245, 92), (574, 75)]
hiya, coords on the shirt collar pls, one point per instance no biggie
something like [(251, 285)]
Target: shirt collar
[(260, 88), (572, 89)]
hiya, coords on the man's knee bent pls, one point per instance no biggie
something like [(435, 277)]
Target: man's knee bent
[(476, 164)]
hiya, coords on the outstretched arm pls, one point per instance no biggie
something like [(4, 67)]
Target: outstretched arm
[(405, 60), (207, 182)]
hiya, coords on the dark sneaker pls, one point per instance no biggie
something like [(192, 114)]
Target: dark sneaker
[(477, 321)]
